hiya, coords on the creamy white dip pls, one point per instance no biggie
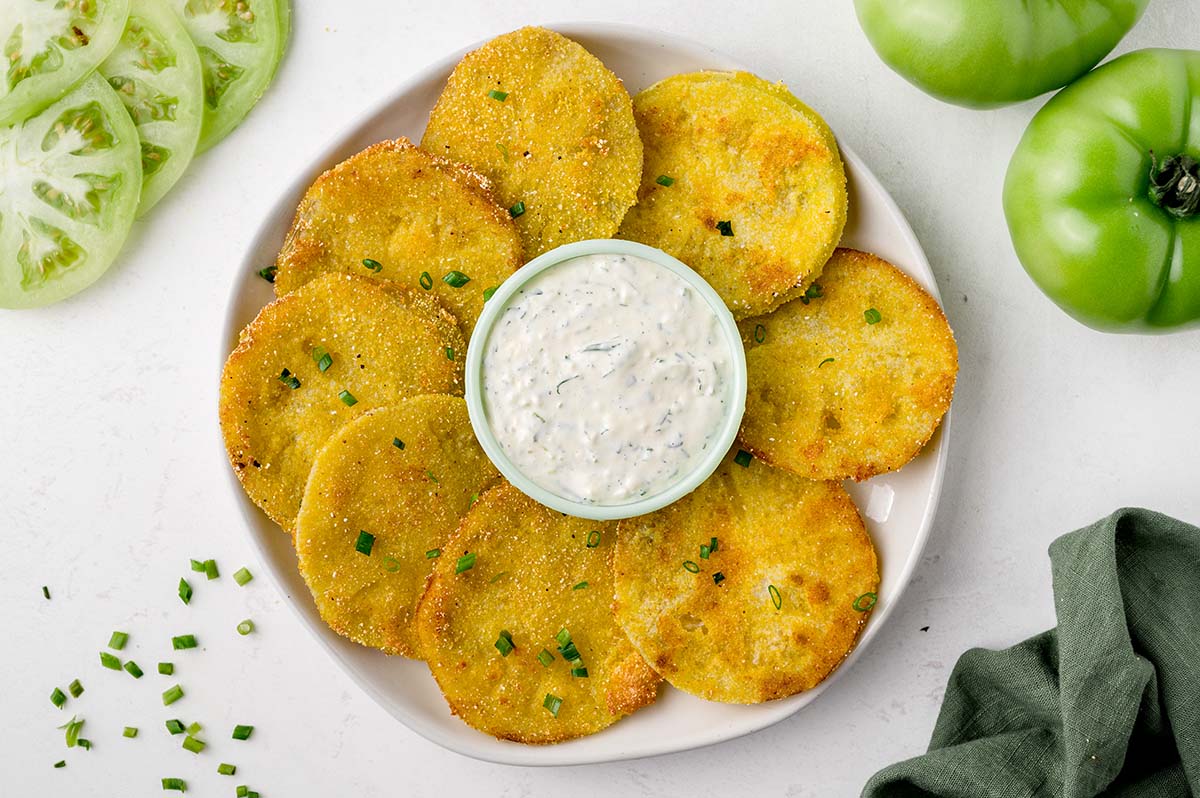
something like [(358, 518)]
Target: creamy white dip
[(606, 379)]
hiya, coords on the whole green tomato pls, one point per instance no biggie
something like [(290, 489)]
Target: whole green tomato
[(984, 53), (1103, 194)]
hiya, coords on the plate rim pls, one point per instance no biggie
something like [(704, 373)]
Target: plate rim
[(542, 756)]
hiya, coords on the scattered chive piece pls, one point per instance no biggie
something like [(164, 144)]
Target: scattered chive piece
[(504, 643), (570, 653), (391, 564), (110, 661), (322, 357), (130, 731), (268, 273), (399, 444), (497, 577), (226, 769), (185, 591), (691, 567), (502, 150), (426, 281), (465, 563), (814, 291), (175, 726), (75, 688), (62, 763), (133, 670), (545, 657), (183, 642), (581, 586), (242, 732), (712, 545), (449, 353), (72, 726), (193, 745), (431, 476), (552, 703), (865, 602), (593, 539), (517, 210), (726, 228), (210, 569), (563, 637), (704, 551), (579, 672), (166, 668), (46, 590), (374, 265), (760, 333), (823, 362), (197, 566), (718, 578), (664, 180), (242, 576), (58, 698), (365, 542), (242, 790), (872, 316), (488, 293), (743, 458), (245, 627), (347, 398), (84, 743), (433, 554), (474, 498), (499, 96), (194, 728), (455, 279), (288, 379), (171, 695), (178, 785)]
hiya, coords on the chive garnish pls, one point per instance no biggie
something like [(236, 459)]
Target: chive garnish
[(664, 180), (823, 362), (872, 316), (194, 728), (289, 379), (865, 602), (192, 744), (712, 545), (517, 210), (365, 542), (471, 502), (432, 477), (776, 598), (245, 627), (704, 551), (399, 444), (760, 333), (130, 732), (226, 769), (197, 566), (579, 672), (691, 567), (109, 661), (499, 96), (449, 353), (433, 554), (322, 358), (581, 586), (133, 670), (593, 539), (465, 563), (718, 578), (391, 564), (242, 576), (166, 668), (488, 293), (455, 279), (563, 637), (242, 732), (502, 150), (497, 577), (743, 458), (46, 590), (268, 273), (183, 641), (178, 785), (426, 281), (185, 591), (75, 688), (552, 703), (504, 643), (171, 695), (812, 292), (347, 398), (570, 653), (725, 227), (545, 657), (175, 726), (84, 743), (62, 763), (73, 726), (374, 265), (58, 698)]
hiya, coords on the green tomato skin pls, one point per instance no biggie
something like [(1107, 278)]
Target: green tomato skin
[(1077, 201), (987, 53)]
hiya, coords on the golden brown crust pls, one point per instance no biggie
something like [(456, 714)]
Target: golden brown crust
[(875, 405), (562, 142)]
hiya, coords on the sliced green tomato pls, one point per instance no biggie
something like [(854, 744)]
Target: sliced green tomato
[(156, 73), (49, 46), (69, 184), (240, 44)]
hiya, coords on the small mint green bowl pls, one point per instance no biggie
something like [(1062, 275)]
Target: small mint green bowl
[(474, 374)]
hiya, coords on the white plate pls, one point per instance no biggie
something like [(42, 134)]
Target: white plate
[(898, 508)]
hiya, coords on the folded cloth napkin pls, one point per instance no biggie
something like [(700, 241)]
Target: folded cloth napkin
[(1107, 703)]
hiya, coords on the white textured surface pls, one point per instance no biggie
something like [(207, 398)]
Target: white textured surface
[(111, 479)]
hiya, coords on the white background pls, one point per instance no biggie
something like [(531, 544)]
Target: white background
[(111, 473)]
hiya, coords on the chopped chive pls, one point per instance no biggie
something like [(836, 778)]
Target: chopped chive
[(579, 672), (718, 578), (664, 180), (130, 732), (242, 576), (171, 695), (194, 728), (432, 477), (185, 591), (210, 569), (197, 566), (563, 637), (504, 643), (242, 732), (245, 627), (433, 554), (517, 210), (226, 769), (58, 698), (704, 551), (455, 279), (814, 291), (593, 539), (322, 358), (166, 668), (109, 661), (46, 590), (391, 564), (581, 586), (175, 726), (872, 316), (75, 688), (365, 542), (760, 333), (465, 563), (552, 703), (865, 602), (242, 790), (133, 670), (449, 353), (823, 362), (62, 763), (268, 273), (545, 657), (72, 728), (502, 150), (726, 228), (347, 398), (192, 744), (497, 577), (183, 642), (374, 265), (84, 743), (488, 293), (743, 458), (288, 379), (399, 444), (499, 96), (179, 785), (570, 653), (691, 567), (712, 545), (426, 281)]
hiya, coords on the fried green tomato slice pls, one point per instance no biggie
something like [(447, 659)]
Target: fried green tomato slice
[(742, 182), (317, 358), (551, 127), (850, 383), (387, 490), (517, 624), (772, 609), (397, 212)]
